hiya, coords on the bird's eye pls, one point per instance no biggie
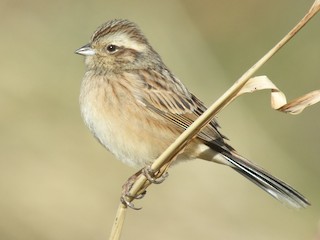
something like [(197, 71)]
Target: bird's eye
[(112, 48)]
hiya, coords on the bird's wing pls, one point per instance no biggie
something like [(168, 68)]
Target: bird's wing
[(165, 95)]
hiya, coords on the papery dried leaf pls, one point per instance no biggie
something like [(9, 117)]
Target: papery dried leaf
[(278, 99), (297, 105)]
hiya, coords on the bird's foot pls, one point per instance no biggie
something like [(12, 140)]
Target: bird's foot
[(126, 198), (152, 177)]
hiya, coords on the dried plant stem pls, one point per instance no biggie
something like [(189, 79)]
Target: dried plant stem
[(118, 222), (161, 164)]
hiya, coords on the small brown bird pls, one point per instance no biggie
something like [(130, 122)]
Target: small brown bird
[(136, 108)]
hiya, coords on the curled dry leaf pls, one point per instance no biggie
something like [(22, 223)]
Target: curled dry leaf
[(278, 99)]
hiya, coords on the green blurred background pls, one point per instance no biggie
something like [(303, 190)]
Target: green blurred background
[(58, 183)]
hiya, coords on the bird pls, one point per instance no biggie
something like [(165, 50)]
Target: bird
[(136, 107)]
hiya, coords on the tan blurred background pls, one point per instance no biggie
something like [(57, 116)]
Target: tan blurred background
[(58, 183)]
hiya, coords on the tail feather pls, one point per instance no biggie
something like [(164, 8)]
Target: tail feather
[(272, 185)]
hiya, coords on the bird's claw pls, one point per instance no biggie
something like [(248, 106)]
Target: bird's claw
[(124, 200), (126, 197), (150, 175)]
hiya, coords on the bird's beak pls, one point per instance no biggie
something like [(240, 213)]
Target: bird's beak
[(86, 50)]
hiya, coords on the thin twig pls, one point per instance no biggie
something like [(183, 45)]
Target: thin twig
[(118, 222), (167, 156)]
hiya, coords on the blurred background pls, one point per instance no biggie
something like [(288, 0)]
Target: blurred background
[(58, 183)]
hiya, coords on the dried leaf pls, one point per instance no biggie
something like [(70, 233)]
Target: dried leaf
[(278, 99)]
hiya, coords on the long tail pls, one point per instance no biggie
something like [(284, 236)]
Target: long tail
[(272, 185)]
